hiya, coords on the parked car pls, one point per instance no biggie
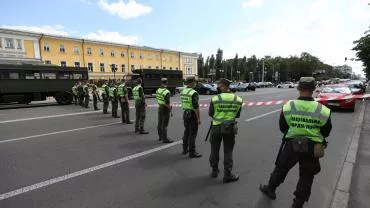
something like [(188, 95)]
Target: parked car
[(337, 91), (233, 87), (286, 85), (357, 87), (205, 89), (243, 87), (179, 89)]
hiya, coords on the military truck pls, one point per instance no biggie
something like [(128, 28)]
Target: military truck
[(152, 80), (27, 83)]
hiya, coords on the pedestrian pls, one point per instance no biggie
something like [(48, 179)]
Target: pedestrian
[(113, 94), (75, 93), (105, 95), (224, 109), (95, 95), (86, 95), (140, 106), (123, 100), (305, 124), (164, 110), (80, 94), (191, 116)]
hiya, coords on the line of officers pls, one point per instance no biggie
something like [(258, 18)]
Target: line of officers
[(300, 144)]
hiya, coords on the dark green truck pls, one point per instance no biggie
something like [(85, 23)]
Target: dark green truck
[(26, 83)]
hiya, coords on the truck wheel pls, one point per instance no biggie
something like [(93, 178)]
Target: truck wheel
[(63, 98)]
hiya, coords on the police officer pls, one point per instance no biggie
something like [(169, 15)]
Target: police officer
[(86, 95), (75, 93), (113, 94), (224, 109), (164, 110), (105, 95), (80, 94), (191, 117), (140, 104), (95, 95), (305, 124), (123, 100)]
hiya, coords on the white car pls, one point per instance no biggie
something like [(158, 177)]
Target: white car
[(286, 85)]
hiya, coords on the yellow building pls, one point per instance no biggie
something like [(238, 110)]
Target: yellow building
[(104, 60)]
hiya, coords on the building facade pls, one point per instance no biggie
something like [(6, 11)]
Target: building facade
[(19, 47), (104, 60), (344, 69)]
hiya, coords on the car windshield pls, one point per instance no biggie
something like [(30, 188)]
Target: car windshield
[(336, 89), (207, 85)]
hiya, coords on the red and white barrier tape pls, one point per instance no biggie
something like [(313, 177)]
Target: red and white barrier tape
[(280, 102)]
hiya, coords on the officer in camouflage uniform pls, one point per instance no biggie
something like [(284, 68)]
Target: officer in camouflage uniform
[(140, 105), (123, 100), (105, 95), (224, 109), (164, 110), (305, 124), (190, 105), (80, 94), (95, 95), (75, 93), (86, 95), (113, 94)]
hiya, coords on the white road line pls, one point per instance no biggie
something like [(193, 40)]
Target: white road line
[(83, 172), (262, 115), (57, 132)]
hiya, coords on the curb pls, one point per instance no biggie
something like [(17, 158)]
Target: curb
[(342, 190)]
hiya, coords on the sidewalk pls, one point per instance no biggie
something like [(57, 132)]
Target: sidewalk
[(360, 187)]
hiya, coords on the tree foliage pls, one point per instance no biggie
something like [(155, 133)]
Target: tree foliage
[(362, 48)]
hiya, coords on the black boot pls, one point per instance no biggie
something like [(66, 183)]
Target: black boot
[(185, 151), (268, 191), (297, 203), (167, 141), (195, 155), (143, 132), (230, 178), (215, 172)]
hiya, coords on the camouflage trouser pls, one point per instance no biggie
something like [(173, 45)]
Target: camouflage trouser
[(140, 116), (125, 112), (163, 120)]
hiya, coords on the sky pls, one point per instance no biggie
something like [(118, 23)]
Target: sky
[(324, 28)]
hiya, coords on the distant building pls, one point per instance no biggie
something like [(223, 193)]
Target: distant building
[(344, 69), (103, 59)]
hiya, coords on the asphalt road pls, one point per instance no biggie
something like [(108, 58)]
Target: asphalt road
[(66, 156)]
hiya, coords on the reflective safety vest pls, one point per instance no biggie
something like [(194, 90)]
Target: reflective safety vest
[(74, 90), (136, 92), (226, 107), (161, 95), (186, 98), (105, 89), (122, 90), (111, 92), (305, 119)]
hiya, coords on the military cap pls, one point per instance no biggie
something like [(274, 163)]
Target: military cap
[(306, 83), (190, 79), (164, 79), (224, 81)]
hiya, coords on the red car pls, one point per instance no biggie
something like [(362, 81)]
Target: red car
[(337, 96)]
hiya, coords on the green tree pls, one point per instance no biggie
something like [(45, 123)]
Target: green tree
[(201, 72), (234, 67), (218, 64), (206, 68), (362, 48)]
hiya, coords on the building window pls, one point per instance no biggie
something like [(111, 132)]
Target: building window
[(132, 67), (177, 68), (122, 54), (76, 50), (63, 63), (141, 56), (62, 49), (113, 67), (150, 56), (102, 69), (156, 56), (89, 51), (90, 67), (77, 64), (46, 47), (9, 43), (47, 62), (123, 68), (149, 67), (171, 68), (164, 67), (132, 54), (101, 52), (19, 44), (112, 53), (157, 67)]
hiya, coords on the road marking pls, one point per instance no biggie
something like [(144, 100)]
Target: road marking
[(262, 115), (83, 172), (57, 132)]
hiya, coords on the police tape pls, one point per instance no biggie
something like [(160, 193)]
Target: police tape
[(280, 102)]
